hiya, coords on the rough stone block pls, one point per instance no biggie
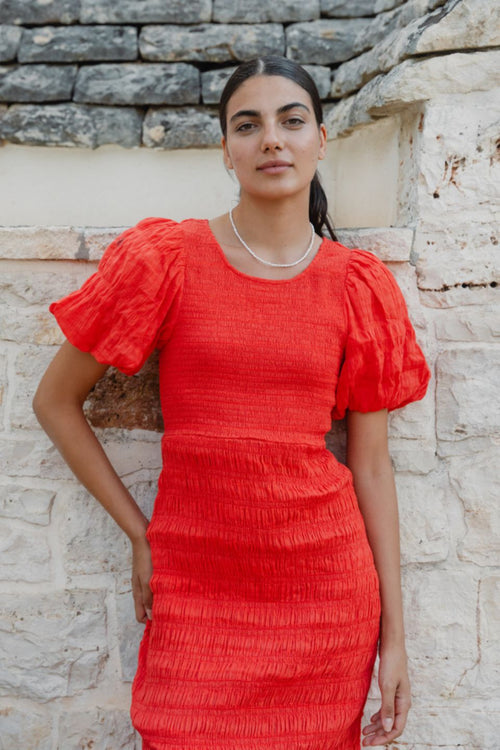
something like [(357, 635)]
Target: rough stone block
[(78, 43), (489, 604), (475, 481), (36, 83), (147, 11), (467, 726), (130, 633), (466, 25), (326, 41), (416, 457), (25, 555), (387, 243), (10, 37), (136, 400), (30, 504), (40, 11), (350, 8), (210, 42), (423, 520), (135, 83), (255, 11), (467, 394), (53, 645), (30, 364), (481, 324), (3, 384), (181, 128), (29, 730), (72, 125), (102, 728), (90, 539), (413, 81), (24, 284), (447, 631), (28, 326)]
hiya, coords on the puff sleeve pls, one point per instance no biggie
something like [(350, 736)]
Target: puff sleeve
[(383, 366), (129, 305)]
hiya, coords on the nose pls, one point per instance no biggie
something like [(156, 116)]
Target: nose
[(271, 138)]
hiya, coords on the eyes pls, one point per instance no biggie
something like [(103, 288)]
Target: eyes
[(290, 122)]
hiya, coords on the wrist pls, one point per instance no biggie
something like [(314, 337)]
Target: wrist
[(138, 535)]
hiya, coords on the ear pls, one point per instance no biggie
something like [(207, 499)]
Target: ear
[(227, 159), (322, 141)]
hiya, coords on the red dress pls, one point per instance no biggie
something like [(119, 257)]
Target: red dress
[(266, 598)]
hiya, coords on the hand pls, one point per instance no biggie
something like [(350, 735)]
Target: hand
[(142, 570), (394, 686)]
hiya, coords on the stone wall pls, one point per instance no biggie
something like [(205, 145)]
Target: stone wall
[(68, 640)]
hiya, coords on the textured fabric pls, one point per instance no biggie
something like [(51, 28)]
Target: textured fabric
[(266, 598)]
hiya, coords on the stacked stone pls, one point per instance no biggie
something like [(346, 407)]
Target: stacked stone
[(69, 639), (90, 72)]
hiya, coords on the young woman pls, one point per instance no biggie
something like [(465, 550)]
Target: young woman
[(268, 576)]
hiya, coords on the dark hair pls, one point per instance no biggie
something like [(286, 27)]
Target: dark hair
[(274, 65)]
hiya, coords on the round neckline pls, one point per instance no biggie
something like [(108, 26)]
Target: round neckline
[(247, 276)]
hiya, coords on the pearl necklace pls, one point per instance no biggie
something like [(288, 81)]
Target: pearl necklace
[(267, 262)]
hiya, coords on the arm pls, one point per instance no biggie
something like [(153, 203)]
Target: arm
[(369, 461), (58, 405)]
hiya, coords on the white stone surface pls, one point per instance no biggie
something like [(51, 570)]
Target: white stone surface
[(30, 504), (424, 525), (24, 555), (101, 728), (29, 730), (52, 645), (467, 396), (476, 483)]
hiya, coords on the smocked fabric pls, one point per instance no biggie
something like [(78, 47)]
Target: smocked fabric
[(266, 602)]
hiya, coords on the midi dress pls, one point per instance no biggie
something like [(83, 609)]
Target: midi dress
[(266, 603)]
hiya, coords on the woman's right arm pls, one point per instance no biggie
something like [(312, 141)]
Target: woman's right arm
[(58, 405)]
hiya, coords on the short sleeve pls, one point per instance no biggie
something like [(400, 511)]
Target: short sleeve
[(128, 307), (383, 366)]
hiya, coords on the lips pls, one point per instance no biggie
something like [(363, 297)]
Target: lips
[(275, 164)]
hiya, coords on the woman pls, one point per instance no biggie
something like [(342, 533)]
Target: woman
[(268, 574)]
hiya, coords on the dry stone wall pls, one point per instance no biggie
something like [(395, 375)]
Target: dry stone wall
[(68, 636)]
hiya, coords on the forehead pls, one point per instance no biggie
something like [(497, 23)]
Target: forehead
[(265, 92)]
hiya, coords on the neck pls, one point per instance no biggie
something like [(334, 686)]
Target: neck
[(279, 231)]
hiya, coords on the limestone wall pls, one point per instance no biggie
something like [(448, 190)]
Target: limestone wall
[(68, 636)]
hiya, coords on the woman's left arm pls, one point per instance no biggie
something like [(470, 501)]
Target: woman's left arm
[(369, 461)]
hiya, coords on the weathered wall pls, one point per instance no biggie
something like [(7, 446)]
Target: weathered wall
[(68, 637)]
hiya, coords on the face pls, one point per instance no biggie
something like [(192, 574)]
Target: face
[(273, 141)]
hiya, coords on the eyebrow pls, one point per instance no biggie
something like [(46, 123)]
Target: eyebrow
[(255, 113)]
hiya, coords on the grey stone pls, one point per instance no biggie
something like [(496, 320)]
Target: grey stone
[(384, 23), (53, 644), (464, 25), (412, 81), (213, 82), (78, 125), (39, 11), (36, 83), (10, 36), (210, 42), (327, 41), (255, 11), (78, 43), (353, 8), (181, 128), (145, 11), (135, 83)]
